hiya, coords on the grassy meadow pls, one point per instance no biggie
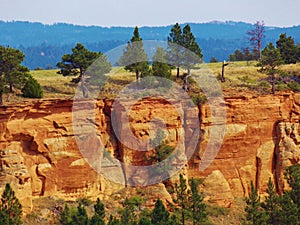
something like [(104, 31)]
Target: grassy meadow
[(241, 77)]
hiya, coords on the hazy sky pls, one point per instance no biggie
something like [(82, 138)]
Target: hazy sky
[(154, 12)]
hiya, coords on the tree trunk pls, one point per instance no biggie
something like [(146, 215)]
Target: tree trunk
[(177, 72), (182, 216), (1, 96), (10, 88), (137, 75), (83, 87), (273, 84), (258, 50)]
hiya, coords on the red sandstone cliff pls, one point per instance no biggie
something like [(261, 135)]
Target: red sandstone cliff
[(40, 156)]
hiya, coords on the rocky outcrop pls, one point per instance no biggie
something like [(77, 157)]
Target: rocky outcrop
[(40, 152), (256, 145)]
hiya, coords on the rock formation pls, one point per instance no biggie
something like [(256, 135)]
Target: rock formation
[(40, 154)]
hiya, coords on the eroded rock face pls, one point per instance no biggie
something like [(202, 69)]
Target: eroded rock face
[(40, 155), (256, 145), (287, 150)]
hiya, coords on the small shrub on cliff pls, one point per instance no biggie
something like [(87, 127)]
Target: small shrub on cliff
[(32, 89), (10, 207)]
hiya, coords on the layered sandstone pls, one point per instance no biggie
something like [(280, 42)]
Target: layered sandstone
[(40, 150)]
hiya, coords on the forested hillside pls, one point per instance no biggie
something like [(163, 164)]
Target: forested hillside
[(43, 45)]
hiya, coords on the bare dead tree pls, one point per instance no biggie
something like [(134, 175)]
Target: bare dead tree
[(256, 35)]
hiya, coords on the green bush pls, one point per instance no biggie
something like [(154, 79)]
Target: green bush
[(32, 89), (294, 86), (280, 86)]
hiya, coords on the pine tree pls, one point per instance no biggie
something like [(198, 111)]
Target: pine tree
[(292, 176), (254, 213), (12, 73), (182, 197), (192, 52), (197, 206), (175, 47), (160, 67), (65, 217), (269, 63), (144, 221), (288, 213), (98, 217), (80, 217), (10, 207), (113, 221), (160, 214), (271, 204), (134, 57), (77, 63), (128, 213), (287, 48), (4, 219)]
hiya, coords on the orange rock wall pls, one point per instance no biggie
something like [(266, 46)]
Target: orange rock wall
[(40, 157)]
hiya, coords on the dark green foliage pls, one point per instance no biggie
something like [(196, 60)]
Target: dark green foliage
[(97, 220), (80, 217), (269, 63), (294, 86), (162, 154), (99, 214), (192, 54), (160, 214), (144, 221), (128, 213), (113, 221), (182, 197), (288, 214), (174, 48), (159, 67), (4, 219), (162, 149), (292, 176), (77, 63), (244, 55), (183, 49), (32, 89), (197, 206), (134, 57), (10, 207), (287, 48), (271, 204), (12, 73), (65, 216), (254, 212), (99, 208)]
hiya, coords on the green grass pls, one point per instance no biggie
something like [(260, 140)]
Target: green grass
[(54, 85)]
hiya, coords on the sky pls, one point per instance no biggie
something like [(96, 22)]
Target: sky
[(151, 13)]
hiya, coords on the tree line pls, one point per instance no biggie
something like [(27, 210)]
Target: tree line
[(189, 207), (289, 50), (183, 51)]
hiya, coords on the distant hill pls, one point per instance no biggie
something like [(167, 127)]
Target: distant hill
[(44, 44)]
